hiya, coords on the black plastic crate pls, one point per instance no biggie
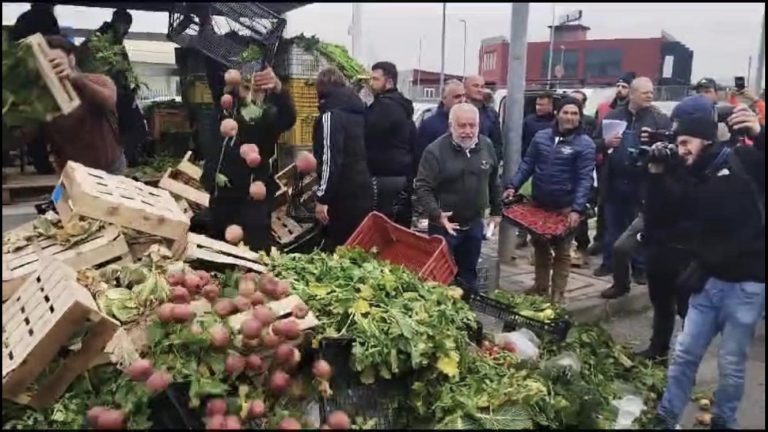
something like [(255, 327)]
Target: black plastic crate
[(487, 273), (237, 26), (558, 329), (170, 410), (301, 202), (380, 402), (306, 243)]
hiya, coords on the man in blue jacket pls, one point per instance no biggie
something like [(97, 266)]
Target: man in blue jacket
[(490, 125), (561, 160), (436, 125)]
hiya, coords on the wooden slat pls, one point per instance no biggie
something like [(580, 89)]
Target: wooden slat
[(182, 190), (61, 90), (207, 249)]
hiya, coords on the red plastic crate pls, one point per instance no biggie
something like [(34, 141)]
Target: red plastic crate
[(425, 255), (538, 221)]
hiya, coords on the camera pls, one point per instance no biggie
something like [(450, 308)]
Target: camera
[(723, 112), (643, 154), (661, 136), (740, 83)]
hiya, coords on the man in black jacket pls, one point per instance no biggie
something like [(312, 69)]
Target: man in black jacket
[(458, 180), (490, 125), (723, 197), (390, 142), (344, 197)]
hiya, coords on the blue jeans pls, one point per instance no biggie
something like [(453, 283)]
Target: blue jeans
[(733, 310), (465, 247), (619, 215)]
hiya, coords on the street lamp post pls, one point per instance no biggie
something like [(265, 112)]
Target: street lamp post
[(562, 65), (442, 58), (464, 64)]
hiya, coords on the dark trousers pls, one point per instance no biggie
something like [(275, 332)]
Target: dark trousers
[(392, 198), (582, 235), (343, 220), (254, 217), (665, 265), (619, 215), (465, 247), (626, 247)]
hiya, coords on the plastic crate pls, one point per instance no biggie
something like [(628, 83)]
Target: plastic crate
[(170, 410), (558, 330), (198, 92), (301, 201), (304, 95), (305, 243), (379, 402), (428, 256), (487, 273), (238, 25), (301, 133), (295, 62), (537, 221)]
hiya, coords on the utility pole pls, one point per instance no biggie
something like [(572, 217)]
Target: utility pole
[(418, 73), (464, 64), (442, 58), (551, 45), (749, 72), (760, 61), (513, 125)]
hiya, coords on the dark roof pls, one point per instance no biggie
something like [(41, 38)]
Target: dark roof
[(277, 7)]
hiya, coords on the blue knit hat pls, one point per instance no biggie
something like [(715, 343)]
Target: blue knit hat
[(696, 116)]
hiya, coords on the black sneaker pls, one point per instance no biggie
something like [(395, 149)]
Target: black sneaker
[(602, 271), (640, 278), (614, 292)]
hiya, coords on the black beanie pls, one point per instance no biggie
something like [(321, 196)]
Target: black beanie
[(695, 116), (627, 78), (570, 100)]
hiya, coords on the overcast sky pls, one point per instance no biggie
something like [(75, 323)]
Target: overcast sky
[(722, 35)]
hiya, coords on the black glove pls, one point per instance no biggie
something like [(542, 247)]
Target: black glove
[(662, 152)]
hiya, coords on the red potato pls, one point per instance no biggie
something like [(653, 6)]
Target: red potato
[(257, 409), (246, 287), (224, 307), (253, 160), (227, 102), (111, 420), (165, 312), (234, 365), (251, 328), (205, 277), (321, 369), (257, 191), (267, 283), (232, 423), (216, 406), (251, 343), (158, 381), (254, 363), (284, 354), (175, 278), (279, 381), (300, 311), (182, 313), (258, 299), (228, 128), (211, 292), (242, 303), (264, 315), (139, 370), (232, 77), (94, 414), (289, 423), (215, 422), (219, 336), (233, 234), (180, 295), (192, 283), (305, 162), (338, 420)]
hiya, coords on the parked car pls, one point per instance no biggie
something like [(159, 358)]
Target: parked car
[(422, 110)]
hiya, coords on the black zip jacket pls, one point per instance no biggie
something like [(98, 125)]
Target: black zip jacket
[(390, 136), (340, 150)]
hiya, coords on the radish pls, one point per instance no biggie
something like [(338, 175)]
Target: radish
[(180, 295), (300, 311), (289, 423), (182, 313), (270, 339), (232, 423), (246, 287), (338, 420), (215, 422), (257, 191), (250, 275), (234, 365), (251, 343), (224, 307), (282, 289), (289, 329), (175, 278), (196, 329), (211, 292), (94, 414), (279, 381), (267, 283), (247, 149), (258, 299), (226, 102), (264, 314), (305, 162), (233, 234), (254, 363), (232, 77), (251, 328), (165, 312), (219, 336), (256, 409), (192, 283), (205, 277), (216, 406), (111, 420), (228, 128), (253, 160), (284, 354), (158, 381), (322, 370), (139, 370), (509, 346), (242, 303)]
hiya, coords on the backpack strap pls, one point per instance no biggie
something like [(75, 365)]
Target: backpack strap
[(738, 169)]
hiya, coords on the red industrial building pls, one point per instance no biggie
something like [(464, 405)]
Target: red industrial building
[(591, 62)]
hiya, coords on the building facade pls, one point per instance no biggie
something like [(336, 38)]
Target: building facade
[(421, 85)]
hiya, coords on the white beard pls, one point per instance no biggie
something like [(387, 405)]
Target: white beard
[(466, 144)]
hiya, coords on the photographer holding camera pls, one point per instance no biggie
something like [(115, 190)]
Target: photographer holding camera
[(721, 195)]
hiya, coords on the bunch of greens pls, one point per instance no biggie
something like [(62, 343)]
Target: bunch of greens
[(27, 101), (103, 55), (153, 168), (251, 54), (535, 307), (335, 54), (399, 323), (77, 231)]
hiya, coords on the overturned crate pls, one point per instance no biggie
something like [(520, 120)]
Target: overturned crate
[(286, 230), (61, 90), (204, 248), (184, 182), (107, 246), (118, 200), (52, 332)]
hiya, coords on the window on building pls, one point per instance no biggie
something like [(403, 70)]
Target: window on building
[(568, 58), (603, 63), (429, 93)]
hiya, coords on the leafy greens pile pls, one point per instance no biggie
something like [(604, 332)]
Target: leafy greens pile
[(335, 54), (27, 101)]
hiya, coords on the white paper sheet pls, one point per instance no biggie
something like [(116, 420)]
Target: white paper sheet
[(612, 128)]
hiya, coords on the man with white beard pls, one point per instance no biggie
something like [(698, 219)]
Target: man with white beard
[(456, 183)]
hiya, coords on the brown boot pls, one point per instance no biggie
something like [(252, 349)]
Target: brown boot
[(561, 267), (543, 266)]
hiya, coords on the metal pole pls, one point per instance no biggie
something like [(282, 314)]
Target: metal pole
[(760, 61), (464, 64), (749, 72), (513, 124), (418, 73), (442, 58), (562, 57), (551, 45)]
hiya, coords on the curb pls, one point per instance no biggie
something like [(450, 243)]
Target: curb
[(597, 309)]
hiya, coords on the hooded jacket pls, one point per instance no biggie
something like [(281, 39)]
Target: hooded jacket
[(532, 124), (390, 136), (338, 145), (490, 126)]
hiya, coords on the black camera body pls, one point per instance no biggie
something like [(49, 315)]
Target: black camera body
[(723, 113), (661, 136)]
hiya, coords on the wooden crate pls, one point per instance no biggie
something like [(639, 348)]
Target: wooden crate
[(168, 120), (284, 229), (198, 92), (18, 186), (184, 182), (118, 200), (187, 167), (285, 180), (61, 90), (38, 321), (109, 246), (200, 247)]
